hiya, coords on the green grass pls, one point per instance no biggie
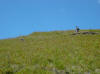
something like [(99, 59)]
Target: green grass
[(56, 52)]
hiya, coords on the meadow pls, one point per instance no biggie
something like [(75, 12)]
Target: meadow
[(56, 52)]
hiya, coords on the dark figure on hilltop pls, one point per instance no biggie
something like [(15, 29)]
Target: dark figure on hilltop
[(77, 29)]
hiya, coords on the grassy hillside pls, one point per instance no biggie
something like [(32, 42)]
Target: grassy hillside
[(56, 52)]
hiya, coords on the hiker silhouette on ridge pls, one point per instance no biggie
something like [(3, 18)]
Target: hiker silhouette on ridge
[(77, 29)]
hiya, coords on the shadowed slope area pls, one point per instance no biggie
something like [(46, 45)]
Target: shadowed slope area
[(57, 52)]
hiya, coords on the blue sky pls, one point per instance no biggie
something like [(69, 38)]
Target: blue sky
[(22, 17)]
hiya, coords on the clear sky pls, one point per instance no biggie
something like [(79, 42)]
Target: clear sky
[(22, 17)]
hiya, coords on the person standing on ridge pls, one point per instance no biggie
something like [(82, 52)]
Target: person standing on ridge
[(77, 29)]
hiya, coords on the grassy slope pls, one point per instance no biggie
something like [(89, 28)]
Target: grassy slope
[(51, 53)]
